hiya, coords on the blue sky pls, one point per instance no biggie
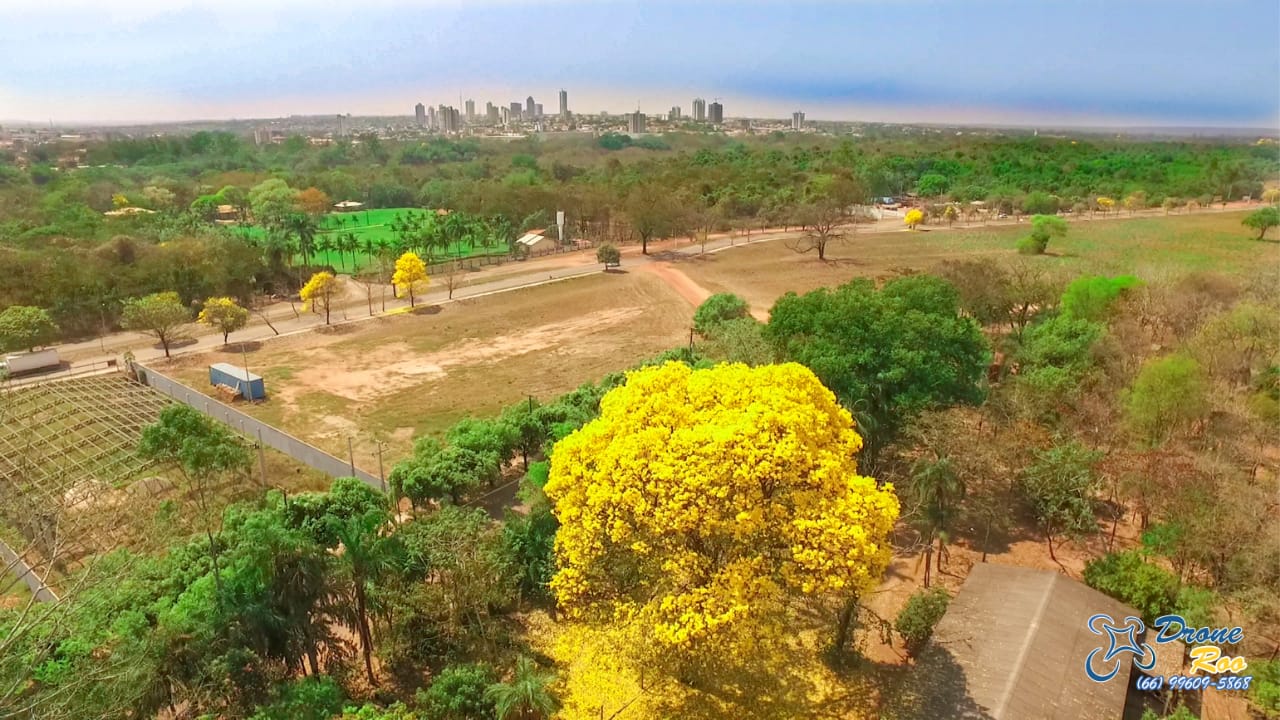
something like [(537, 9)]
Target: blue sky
[(1024, 61)]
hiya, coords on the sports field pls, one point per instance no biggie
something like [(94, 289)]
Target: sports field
[(368, 230)]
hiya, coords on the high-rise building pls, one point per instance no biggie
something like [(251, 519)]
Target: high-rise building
[(797, 120), (516, 111), (506, 115), (674, 114), (420, 114), (537, 111), (471, 111), (699, 109), (635, 122), (564, 105), (431, 118), (715, 113), (528, 108), (491, 113)]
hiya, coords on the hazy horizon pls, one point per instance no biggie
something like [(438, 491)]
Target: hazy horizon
[(990, 62)]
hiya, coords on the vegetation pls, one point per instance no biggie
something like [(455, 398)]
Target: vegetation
[(161, 314), (225, 315), (23, 327), (717, 310), (608, 256), (918, 617)]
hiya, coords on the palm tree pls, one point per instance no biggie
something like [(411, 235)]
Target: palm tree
[(939, 489), (365, 557), (526, 697), (303, 227)]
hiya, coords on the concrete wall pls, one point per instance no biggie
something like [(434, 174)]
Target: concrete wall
[(23, 572), (254, 429)]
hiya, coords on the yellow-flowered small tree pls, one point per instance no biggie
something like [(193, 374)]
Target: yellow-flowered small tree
[(702, 503), (913, 218), (410, 275), (317, 294)]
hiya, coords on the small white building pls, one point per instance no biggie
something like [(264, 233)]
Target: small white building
[(534, 242)]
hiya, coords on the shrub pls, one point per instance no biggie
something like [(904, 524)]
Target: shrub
[(1091, 298), (717, 309), (916, 620), (458, 693), (1129, 578), (1061, 341), (1031, 245), (311, 698), (1265, 690)]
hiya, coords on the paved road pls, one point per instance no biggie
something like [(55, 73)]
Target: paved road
[(353, 307)]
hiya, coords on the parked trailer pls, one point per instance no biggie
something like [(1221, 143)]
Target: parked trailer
[(249, 385), (30, 362)]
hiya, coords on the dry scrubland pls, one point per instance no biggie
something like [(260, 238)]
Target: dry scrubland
[(394, 378)]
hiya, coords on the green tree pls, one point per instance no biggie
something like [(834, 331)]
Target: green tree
[(1169, 393), (366, 556), (1060, 486), (717, 309), (1043, 229), (25, 326), (887, 354), (918, 617), (272, 202), (309, 698), (161, 314), (652, 213), (608, 256), (1262, 220), (939, 489), (527, 696), (203, 451)]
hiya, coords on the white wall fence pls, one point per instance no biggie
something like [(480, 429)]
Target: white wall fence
[(254, 429)]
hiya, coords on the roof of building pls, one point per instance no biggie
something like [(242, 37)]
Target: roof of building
[(533, 237), (130, 210), (1013, 645), (348, 204), (235, 371)]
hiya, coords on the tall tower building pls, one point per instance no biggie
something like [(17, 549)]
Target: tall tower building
[(420, 114), (515, 112), (491, 113), (431, 118), (635, 122), (674, 114), (797, 120), (564, 105), (528, 108), (699, 109), (537, 111), (715, 113), (471, 111)]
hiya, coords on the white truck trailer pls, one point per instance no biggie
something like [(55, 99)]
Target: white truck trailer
[(28, 362)]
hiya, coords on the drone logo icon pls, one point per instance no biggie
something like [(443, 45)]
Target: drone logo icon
[(1121, 639)]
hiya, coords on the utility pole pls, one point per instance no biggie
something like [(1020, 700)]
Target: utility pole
[(382, 478), (262, 460), (351, 455)]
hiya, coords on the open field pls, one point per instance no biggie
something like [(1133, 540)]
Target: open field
[(1148, 247), (393, 378), (71, 483)]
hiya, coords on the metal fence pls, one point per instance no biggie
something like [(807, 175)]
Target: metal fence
[(253, 428)]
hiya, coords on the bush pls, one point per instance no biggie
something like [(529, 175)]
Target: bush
[(1129, 578), (1091, 298), (311, 698), (1265, 690), (1031, 245), (916, 620), (1061, 341), (717, 309), (1043, 229), (458, 693)]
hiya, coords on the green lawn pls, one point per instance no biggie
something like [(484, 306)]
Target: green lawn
[(374, 226)]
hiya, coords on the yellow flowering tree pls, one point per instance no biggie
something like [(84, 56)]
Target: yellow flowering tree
[(914, 217), (410, 275), (700, 502), (318, 292), (223, 314), (1105, 204)]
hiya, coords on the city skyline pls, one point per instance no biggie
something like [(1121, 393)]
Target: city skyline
[(983, 62)]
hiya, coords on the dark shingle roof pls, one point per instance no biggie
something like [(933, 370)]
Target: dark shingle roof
[(1013, 646)]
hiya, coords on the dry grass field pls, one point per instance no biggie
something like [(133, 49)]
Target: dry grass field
[(1149, 247), (394, 378)]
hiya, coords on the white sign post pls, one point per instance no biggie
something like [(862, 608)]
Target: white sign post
[(560, 226)]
